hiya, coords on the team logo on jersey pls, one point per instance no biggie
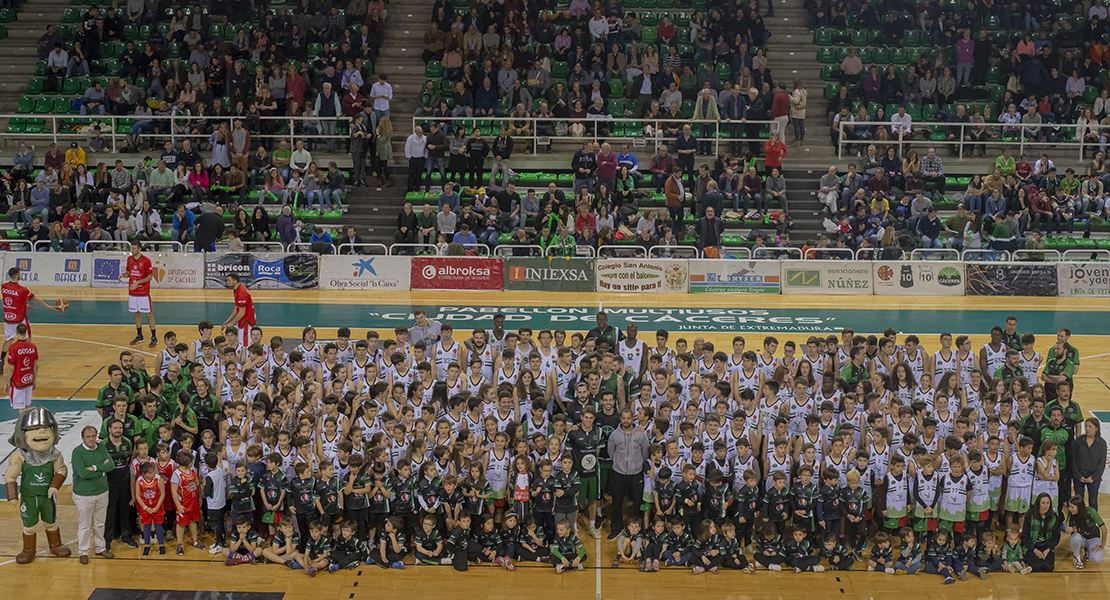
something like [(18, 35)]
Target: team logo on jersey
[(589, 461)]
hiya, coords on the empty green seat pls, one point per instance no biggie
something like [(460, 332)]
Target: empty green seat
[(434, 69), (822, 37)]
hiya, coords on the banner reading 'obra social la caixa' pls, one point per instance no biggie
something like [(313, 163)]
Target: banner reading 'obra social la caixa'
[(360, 272)]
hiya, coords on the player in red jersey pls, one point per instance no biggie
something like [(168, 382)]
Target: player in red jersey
[(24, 358), (15, 310), (243, 317), (139, 274)]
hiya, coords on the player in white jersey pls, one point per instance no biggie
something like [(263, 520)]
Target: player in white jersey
[(633, 351), (685, 375), (885, 359), (1029, 359), (967, 359), (661, 350), (548, 352), (447, 351), (734, 360), (815, 358), (361, 359), (309, 349), (510, 375), (479, 347), (993, 355), (747, 376), (561, 376), (766, 361), (944, 360), (476, 378), (211, 364), (915, 357), (344, 349)]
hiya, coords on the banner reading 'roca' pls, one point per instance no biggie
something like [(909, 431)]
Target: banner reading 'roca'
[(262, 271), (633, 275), (456, 273)]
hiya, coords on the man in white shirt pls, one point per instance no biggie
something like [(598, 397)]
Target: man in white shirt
[(416, 150), (901, 123), (380, 94)]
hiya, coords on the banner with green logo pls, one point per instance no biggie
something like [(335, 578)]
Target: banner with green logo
[(919, 278), (551, 274), (826, 277)]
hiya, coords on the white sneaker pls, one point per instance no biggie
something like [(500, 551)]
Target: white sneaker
[(870, 568), (1078, 562), (445, 561), (774, 567), (890, 571), (818, 569), (559, 568), (1026, 570), (580, 566), (215, 549), (595, 532)]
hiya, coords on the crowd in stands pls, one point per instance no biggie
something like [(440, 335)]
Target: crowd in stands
[(608, 200), (887, 201), (589, 64), (1025, 68), (207, 78)]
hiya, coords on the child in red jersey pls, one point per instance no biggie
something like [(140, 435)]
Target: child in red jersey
[(185, 487), (150, 500)]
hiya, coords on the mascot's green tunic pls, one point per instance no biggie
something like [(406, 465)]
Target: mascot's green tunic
[(37, 471)]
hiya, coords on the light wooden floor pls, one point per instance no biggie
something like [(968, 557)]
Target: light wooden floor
[(74, 350)]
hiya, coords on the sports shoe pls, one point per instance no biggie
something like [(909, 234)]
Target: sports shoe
[(559, 568), (655, 565), (774, 567), (698, 570), (292, 564), (594, 532), (333, 568), (580, 566), (215, 549), (870, 568), (310, 572), (138, 340), (444, 561), (180, 550), (146, 551), (199, 546), (983, 573), (713, 570), (508, 564), (797, 570), (617, 561), (249, 559), (398, 565), (963, 575), (351, 566), (499, 561), (1026, 570), (1078, 562), (642, 569), (949, 581), (161, 550), (818, 569), (153, 343), (129, 541), (901, 572), (233, 559), (891, 572), (613, 535)]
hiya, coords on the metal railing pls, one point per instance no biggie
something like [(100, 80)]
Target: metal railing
[(674, 252), (984, 254), (932, 253), (738, 252), (770, 253), (509, 249), (623, 251), (64, 128), (106, 245), (1024, 255), (1087, 255), (602, 129), (1013, 136), (827, 253), (397, 249), (579, 252), (353, 249), (306, 247)]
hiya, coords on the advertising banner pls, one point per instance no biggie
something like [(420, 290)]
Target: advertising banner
[(734, 277), (634, 275), (1009, 279), (171, 269), (562, 274), (919, 278), (456, 273), (826, 277), (263, 270), (356, 272), (1083, 279), (51, 268)]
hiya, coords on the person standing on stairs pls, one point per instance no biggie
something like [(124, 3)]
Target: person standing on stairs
[(798, 100), (416, 150)]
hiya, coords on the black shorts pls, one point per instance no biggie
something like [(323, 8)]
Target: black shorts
[(327, 520)]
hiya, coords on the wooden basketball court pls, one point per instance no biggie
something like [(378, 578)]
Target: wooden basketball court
[(77, 345)]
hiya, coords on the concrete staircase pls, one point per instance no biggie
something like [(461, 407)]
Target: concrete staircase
[(19, 50)]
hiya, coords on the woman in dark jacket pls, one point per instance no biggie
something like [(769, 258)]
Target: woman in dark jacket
[(260, 222), (1040, 533), (1089, 462)]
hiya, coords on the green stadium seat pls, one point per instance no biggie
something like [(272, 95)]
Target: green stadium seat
[(559, 70), (434, 69), (825, 56), (881, 56), (7, 15), (912, 38), (43, 105), (17, 125), (822, 38), (34, 86), (25, 105)]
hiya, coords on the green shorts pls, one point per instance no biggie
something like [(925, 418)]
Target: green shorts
[(588, 489), (33, 509)]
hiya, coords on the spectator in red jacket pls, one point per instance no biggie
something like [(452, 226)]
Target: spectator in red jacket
[(775, 150)]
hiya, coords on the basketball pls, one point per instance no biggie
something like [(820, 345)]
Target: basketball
[(61, 305)]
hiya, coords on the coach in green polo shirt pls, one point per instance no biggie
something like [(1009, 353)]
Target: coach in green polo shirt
[(91, 464), (1012, 369)]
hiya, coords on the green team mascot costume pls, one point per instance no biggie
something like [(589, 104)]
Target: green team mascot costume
[(37, 471)]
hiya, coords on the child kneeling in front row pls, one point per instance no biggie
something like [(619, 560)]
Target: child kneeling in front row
[(567, 551), (243, 543)]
